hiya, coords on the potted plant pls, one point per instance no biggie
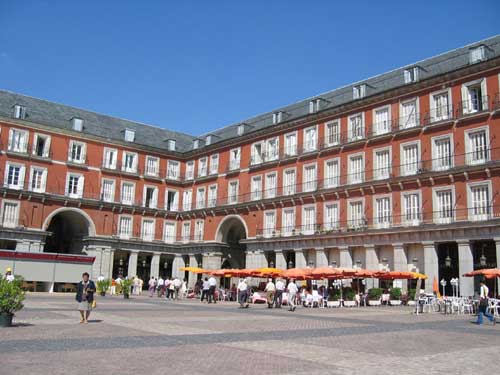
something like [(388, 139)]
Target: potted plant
[(103, 286), (395, 299), (411, 297), (374, 296), (349, 295), (11, 300), (333, 298), (126, 284)]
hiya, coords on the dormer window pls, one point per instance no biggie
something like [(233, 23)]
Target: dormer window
[(171, 144), (241, 129), (359, 91), (277, 117), (314, 105), (196, 144), (77, 124), (19, 112), (129, 135), (208, 140), (411, 75), (477, 54)]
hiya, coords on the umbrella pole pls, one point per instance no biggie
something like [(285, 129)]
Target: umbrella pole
[(341, 298)]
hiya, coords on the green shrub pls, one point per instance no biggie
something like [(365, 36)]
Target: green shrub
[(103, 285), (375, 294), (411, 294), (395, 293), (334, 294), (126, 284), (11, 295), (349, 294)]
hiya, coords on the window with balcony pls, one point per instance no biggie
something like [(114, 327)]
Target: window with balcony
[(440, 105), (272, 149), (290, 144), (331, 216), (202, 167), (355, 215), (19, 112), (310, 139), (383, 212), (152, 166), (10, 214), (256, 188), (442, 153), (129, 135), (108, 190), (187, 200), (214, 164), (172, 200), (356, 169), (310, 178), (127, 195), (74, 185), (41, 145), (38, 179), (77, 152), (201, 198), (356, 127), (233, 192), (199, 227), (169, 231), (130, 162), (125, 227), (258, 153), (332, 133), (148, 229), (411, 75), (212, 196), (269, 223), (474, 97), (110, 157), (18, 140), (186, 231), (289, 181), (382, 120), (234, 159), (411, 208), (408, 111), (190, 170), (150, 197), (271, 185), (173, 170), (332, 173), (308, 219), (410, 159), (288, 221), (479, 201), (382, 163), (14, 176), (444, 205), (477, 146)]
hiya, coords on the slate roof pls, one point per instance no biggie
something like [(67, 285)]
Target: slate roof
[(112, 128)]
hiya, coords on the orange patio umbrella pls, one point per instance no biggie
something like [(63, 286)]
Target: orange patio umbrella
[(362, 274), (488, 273), (267, 272), (193, 269), (298, 273), (231, 272), (324, 273), (394, 275)]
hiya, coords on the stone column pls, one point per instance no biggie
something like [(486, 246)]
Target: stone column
[(280, 260), (256, 259), (176, 265), (465, 264), (431, 266), (111, 258), (372, 263), (155, 265), (300, 258), (132, 264), (212, 261), (321, 257), (401, 262), (345, 257), (192, 277)]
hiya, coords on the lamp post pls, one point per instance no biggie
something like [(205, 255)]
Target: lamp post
[(271, 264), (290, 264), (482, 258), (443, 284), (454, 284), (333, 264)]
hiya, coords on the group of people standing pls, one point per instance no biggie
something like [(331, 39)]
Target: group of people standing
[(274, 293), (169, 288), (208, 288)]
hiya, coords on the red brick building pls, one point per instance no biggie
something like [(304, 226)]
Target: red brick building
[(399, 171)]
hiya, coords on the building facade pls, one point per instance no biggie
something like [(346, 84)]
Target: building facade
[(399, 172)]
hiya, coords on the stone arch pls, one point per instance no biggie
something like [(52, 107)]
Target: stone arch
[(230, 221), (231, 230)]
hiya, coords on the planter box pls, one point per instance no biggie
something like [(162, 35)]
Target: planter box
[(349, 303), (395, 302), (6, 319), (333, 304), (374, 302)]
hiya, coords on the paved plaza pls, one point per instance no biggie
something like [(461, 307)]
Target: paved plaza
[(151, 336)]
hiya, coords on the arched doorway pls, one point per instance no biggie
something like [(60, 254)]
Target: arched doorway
[(231, 231), (68, 227)]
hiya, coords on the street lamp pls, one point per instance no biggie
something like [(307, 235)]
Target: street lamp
[(482, 258), (447, 260), (271, 264), (290, 264), (311, 264), (333, 264), (443, 284), (454, 285), (143, 263)]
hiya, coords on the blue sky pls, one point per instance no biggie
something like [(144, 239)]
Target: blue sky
[(195, 66)]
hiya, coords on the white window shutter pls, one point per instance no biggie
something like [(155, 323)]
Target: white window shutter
[(22, 172), (70, 150), (46, 148), (81, 184), (11, 135), (44, 180)]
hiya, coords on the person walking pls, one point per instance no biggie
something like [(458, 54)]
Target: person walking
[(270, 292), (85, 297), (278, 297), (161, 284), (177, 286), (151, 286), (171, 290), (212, 285), (292, 295), (166, 286), (483, 304), (243, 294), (204, 289)]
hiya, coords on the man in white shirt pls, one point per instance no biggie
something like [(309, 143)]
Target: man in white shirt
[(177, 286), (166, 286), (483, 304), (270, 291), (161, 285), (278, 297), (204, 289), (243, 293), (212, 285), (292, 295)]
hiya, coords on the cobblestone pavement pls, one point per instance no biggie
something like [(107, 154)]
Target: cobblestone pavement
[(150, 336)]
